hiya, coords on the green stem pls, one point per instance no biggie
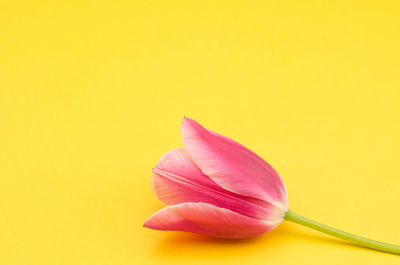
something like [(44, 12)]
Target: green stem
[(294, 217)]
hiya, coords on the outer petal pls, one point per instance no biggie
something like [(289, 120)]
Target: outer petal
[(176, 179), (203, 218), (232, 166)]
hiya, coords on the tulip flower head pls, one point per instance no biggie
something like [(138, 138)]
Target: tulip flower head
[(217, 187)]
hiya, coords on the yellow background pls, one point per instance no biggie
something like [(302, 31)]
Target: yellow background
[(92, 94)]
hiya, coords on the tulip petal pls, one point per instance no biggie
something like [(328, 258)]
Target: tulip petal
[(232, 166), (203, 218), (176, 179)]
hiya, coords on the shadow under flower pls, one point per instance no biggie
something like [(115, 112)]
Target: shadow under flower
[(188, 245)]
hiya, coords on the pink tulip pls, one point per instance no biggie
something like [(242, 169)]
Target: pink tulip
[(217, 187)]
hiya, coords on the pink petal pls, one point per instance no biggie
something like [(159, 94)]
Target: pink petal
[(203, 218), (232, 166), (176, 179)]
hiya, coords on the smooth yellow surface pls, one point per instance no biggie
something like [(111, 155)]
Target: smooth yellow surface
[(92, 94)]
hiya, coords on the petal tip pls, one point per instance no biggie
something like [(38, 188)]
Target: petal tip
[(145, 224), (185, 120), (188, 122), (149, 223)]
